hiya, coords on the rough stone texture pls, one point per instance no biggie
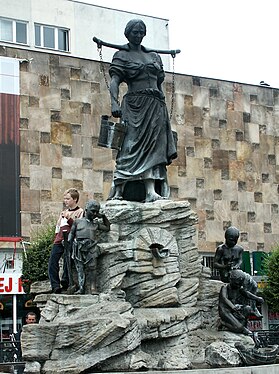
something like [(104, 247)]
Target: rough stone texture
[(220, 354), (150, 314)]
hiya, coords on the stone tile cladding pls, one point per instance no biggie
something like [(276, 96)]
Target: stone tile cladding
[(228, 147)]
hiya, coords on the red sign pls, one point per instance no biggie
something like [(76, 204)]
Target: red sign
[(11, 284)]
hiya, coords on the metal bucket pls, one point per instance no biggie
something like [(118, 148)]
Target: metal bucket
[(111, 133)]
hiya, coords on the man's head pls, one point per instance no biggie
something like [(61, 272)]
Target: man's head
[(30, 318)]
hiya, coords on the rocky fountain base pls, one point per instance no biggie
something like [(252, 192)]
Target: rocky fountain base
[(157, 308)]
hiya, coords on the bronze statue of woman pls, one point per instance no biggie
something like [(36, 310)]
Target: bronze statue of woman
[(149, 144)]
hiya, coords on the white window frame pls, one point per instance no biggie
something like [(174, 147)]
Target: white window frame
[(14, 23), (56, 30), (208, 261)]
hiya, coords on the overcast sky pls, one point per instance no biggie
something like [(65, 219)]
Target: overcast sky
[(230, 40)]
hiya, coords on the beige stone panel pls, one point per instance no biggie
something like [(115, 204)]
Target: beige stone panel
[(178, 119), (72, 168), (203, 148), (246, 202), (90, 125), (86, 144), (100, 103), (59, 186), (214, 231), (70, 111), (93, 181), (179, 106), (227, 139), (194, 167), (106, 190), (59, 76), (267, 216), (275, 227), (25, 224), (172, 175), (72, 62), (270, 242), (61, 133), (30, 200), (50, 211), (29, 84), (186, 136), (40, 177), (226, 90), (270, 193), (186, 188), (257, 114), (205, 199), (24, 164), (229, 190), (271, 128), (183, 84), (256, 234), (222, 210), (197, 116), (24, 102), (29, 141), (80, 91), (50, 98), (259, 210), (209, 129), (253, 133), (236, 171), (266, 145), (102, 159), (276, 121), (51, 155), (235, 120), (238, 101), (200, 97), (276, 151), (218, 108), (244, 151), (206, 247), (239, 220), (212, 179), (39, 119), (77, 146)]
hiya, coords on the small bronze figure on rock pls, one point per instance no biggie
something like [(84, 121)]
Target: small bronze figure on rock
[(228, 255), (234, 309), (83, 239)]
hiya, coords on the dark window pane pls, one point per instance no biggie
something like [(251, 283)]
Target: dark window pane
[(21, 33), (63, 40), (49, 37), (37, 35), (6, 30)]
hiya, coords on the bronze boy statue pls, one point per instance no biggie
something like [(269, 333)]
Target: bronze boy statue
[(83, 240), (228, 255)]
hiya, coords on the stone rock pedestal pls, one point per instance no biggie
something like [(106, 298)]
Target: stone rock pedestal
[(156, 308)]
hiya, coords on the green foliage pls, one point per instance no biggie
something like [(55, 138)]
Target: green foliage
[(35, 263), (271, 291)]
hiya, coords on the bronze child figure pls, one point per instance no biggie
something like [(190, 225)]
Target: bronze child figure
[(83, 239)]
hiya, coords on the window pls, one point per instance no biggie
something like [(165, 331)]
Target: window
[(51, 37), (208, 261), (13, 31)]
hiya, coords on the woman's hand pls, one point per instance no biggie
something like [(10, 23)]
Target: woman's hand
[(116, 110)]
